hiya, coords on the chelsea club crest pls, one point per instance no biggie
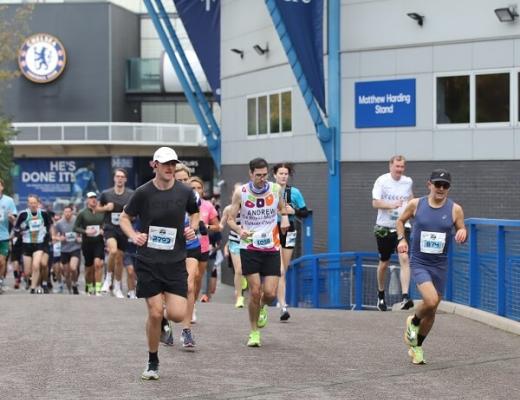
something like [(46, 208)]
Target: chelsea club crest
[(42, 58)]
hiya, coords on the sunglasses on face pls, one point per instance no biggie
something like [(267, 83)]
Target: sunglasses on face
[(443, 185)]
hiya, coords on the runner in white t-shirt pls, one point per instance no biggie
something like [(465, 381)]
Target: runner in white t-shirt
[(390, 195)]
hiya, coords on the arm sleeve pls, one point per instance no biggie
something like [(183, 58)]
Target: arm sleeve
[(21, 218), (134, 204), (376, 191), (78, 224)]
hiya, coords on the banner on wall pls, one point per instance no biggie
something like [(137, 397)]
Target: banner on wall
[(61, 181), (201, 20), (304, 23), (383, 104)]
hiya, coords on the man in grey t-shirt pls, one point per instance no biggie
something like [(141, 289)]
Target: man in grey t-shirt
[(70, 248)]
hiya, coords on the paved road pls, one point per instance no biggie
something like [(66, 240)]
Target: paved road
[(79, 347)]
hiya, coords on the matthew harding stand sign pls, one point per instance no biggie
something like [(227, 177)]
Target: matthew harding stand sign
[(383, 104)]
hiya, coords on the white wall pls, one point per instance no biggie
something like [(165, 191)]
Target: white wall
[(379, 42)]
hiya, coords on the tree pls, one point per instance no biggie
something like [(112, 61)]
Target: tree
[(14, 27)]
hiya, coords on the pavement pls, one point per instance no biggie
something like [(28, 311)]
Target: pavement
[(79, 347)]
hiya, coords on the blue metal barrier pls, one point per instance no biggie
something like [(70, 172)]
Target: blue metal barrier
[(483, 273)]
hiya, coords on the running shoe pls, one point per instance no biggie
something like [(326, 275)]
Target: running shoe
[(151, 373), (204, 298), (167, 334), (39, 290), (106, 286), (254, 339), (45, 289), (33, 291), (118, 293), (411, 332), (417, 355), (75, 289), (240, 302), (1, 286), (262, 317), (131, 294), (381, 305), (17, 283), (284, 314), (406, 303), (187, 338), (243, 282)]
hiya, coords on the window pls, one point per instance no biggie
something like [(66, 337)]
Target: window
[(453, 100), (492, 97), (474, 98), (269, 114)]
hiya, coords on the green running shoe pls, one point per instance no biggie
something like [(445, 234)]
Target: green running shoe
[(262, 317), (411, 332), (417, 355), (254, 339), (240, 302), (243, 281)]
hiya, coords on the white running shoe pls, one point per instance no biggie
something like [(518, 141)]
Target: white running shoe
[(118, 293), (106, 286), (131, 294)]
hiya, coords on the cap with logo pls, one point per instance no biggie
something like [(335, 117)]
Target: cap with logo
[(440, 175), (165, 154), (91, 194)]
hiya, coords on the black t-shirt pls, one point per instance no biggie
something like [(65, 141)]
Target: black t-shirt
[(119, 200), (161, 215)]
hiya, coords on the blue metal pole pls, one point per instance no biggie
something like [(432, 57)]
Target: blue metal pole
[(474, 274), (315, 283), (307, 235), (188, 92), (214, 141), (334, 96), (359, 282), (501, 271)]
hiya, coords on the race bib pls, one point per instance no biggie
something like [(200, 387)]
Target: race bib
[(432, 242), (394, 215), (290, 239), (114, 217), (161, 238), (263, 240), (93, 230), (56, 249), (70, 236), (34, 225)]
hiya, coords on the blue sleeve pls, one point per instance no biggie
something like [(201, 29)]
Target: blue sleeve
[(297, 198)]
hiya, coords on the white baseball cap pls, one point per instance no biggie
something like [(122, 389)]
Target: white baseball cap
[(91, 194), (165, 154)]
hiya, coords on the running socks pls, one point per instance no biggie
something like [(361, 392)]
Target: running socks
[(380, 294), (153, 358), (416, 320)]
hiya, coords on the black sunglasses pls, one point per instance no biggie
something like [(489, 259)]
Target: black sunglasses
[(444, 185)]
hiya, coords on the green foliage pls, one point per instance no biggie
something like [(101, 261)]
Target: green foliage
[(14, 28)]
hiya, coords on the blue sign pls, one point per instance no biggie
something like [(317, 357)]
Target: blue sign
[(385, 103), (304, 23), (201, 20), (61, 181)]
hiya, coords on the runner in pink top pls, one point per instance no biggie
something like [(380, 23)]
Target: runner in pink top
[(208, 222)]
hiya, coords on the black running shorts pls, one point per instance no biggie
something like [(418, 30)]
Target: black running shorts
[(265, 263), (153, 279)]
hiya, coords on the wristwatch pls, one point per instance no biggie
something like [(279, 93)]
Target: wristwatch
[(399, 238)]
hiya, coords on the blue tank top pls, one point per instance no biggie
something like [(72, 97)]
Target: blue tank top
[(190, 244), (432, 232)]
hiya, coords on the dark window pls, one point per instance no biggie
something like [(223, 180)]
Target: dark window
[(453, 100), (492, 97)]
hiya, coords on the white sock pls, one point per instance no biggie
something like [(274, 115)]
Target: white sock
[(117, 285), (108, 278)]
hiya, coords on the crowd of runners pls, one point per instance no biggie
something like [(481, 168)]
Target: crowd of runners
[(165, 233)]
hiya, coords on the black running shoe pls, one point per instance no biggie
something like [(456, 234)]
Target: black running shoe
[(406, 304), (284, 315), (75, 290), (381, 305), (45, 289)]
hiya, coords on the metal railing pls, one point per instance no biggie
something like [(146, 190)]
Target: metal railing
[(483, 273), (74, 133)]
